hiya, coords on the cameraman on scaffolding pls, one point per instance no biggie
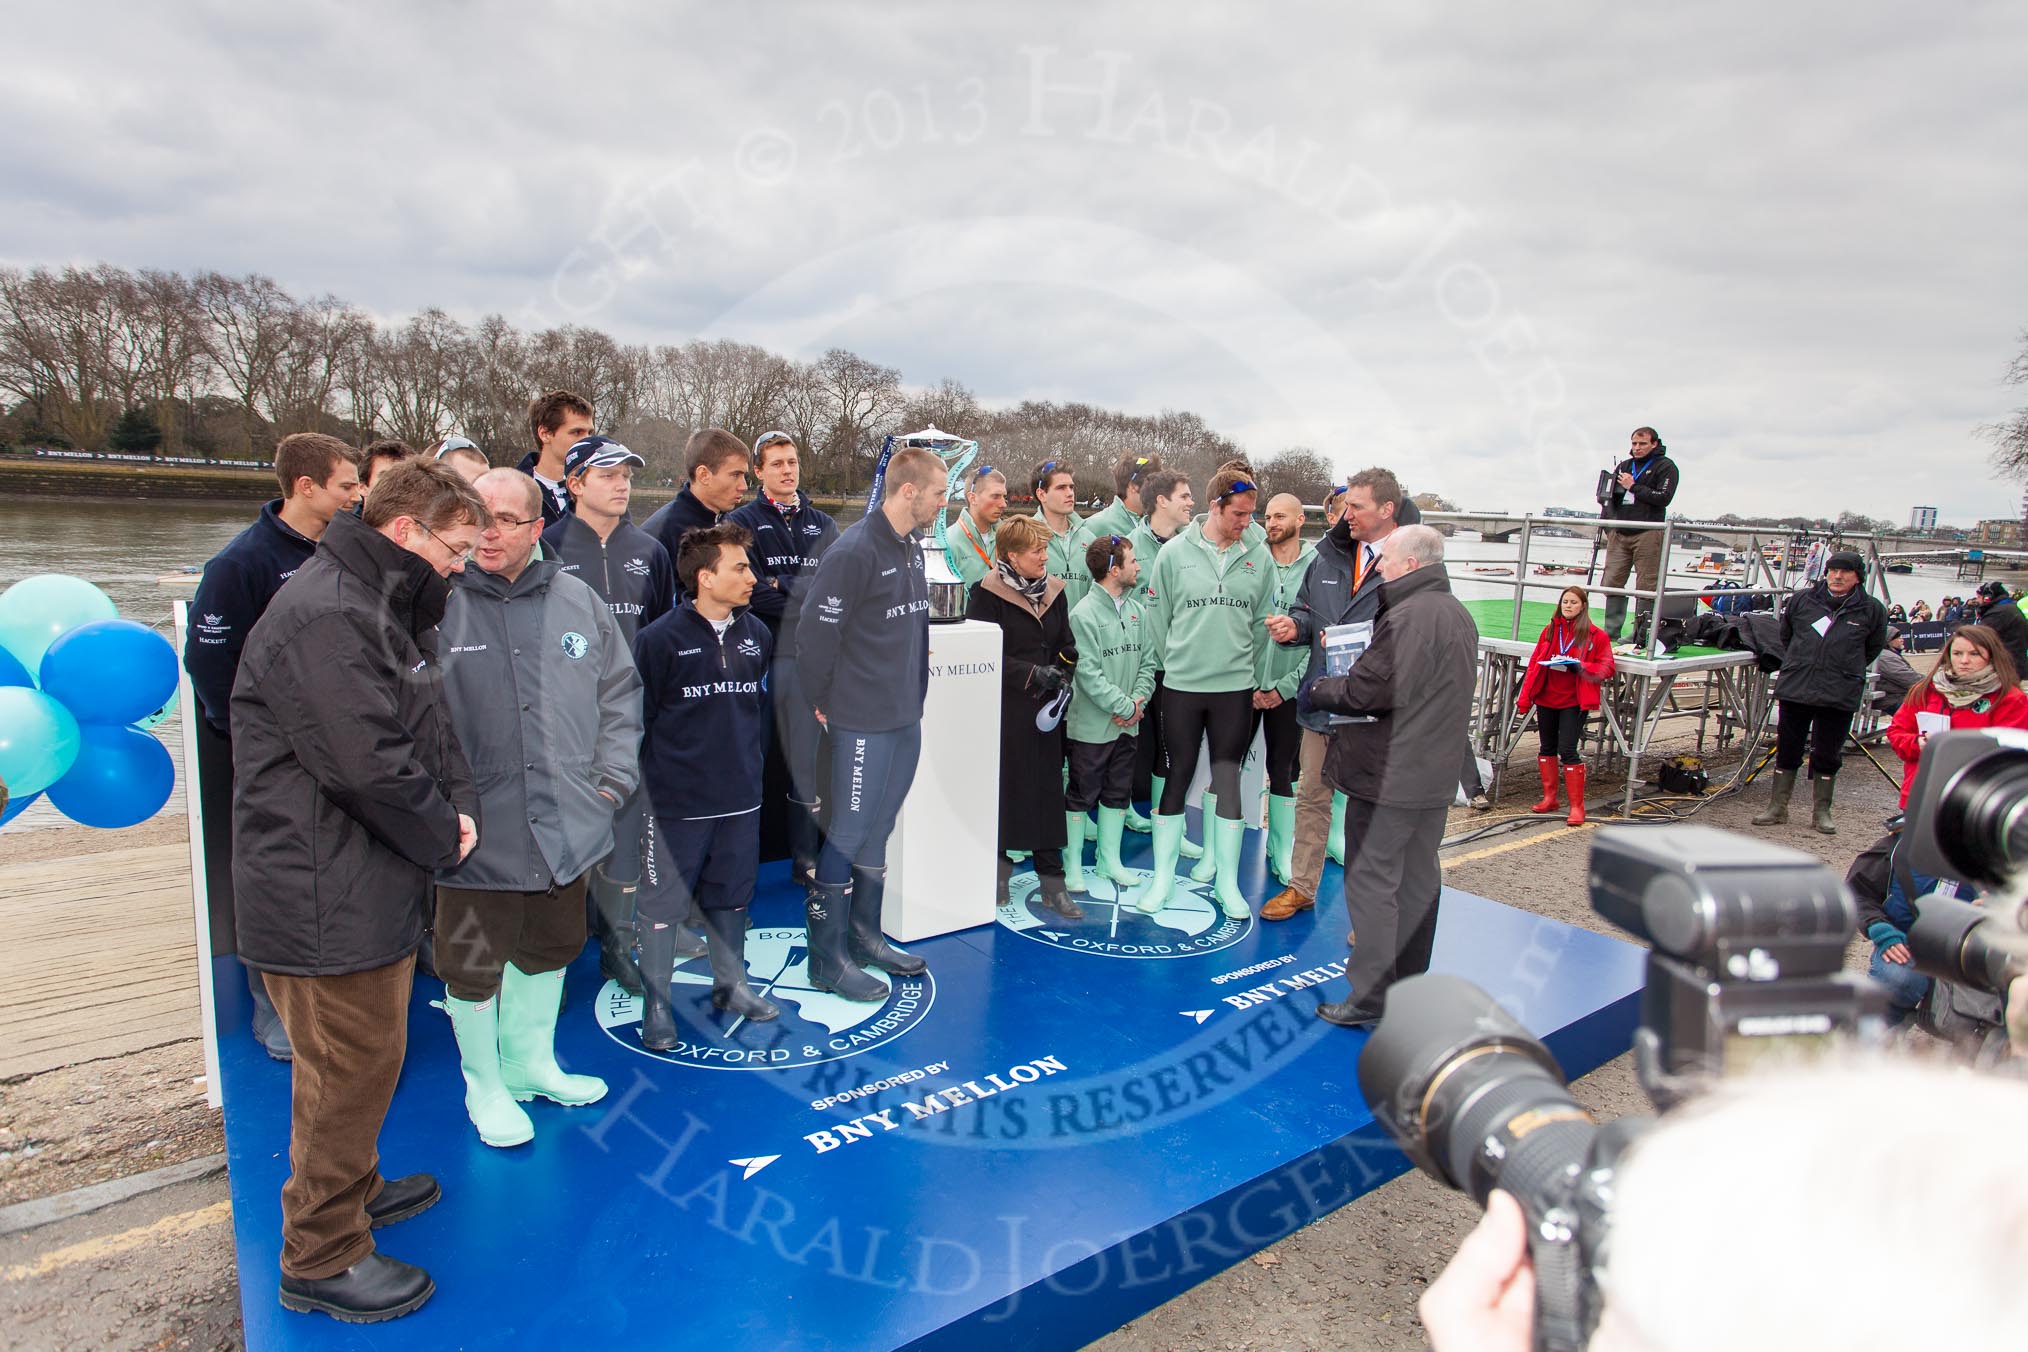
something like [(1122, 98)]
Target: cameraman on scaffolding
[(1639, 489)]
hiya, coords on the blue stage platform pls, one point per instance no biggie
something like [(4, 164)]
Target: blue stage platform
[(1064, 1125)]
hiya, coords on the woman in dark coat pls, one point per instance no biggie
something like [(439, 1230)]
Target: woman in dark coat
[(1037, 654)]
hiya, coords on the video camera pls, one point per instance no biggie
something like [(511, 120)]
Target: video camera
[(1747, 964)]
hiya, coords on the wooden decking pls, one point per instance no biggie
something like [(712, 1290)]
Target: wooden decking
[(97, 957)]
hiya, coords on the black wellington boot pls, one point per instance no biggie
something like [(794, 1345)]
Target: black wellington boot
[(805, 840), (614, 905), (658, 965), (728, 967), (827, 914), (869, 889)]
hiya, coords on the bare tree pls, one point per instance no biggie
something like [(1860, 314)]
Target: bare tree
[(418, 370), (1299, 470), (490, 404), (57, 345), (321, 338), (248, 322), (862, 399), (167, 304), (2010, 437)]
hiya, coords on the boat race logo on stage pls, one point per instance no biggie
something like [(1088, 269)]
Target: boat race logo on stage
[(815, 1026), (1189, 925)]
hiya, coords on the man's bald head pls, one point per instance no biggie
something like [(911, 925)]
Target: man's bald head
[(1283, 518), (505, 547)]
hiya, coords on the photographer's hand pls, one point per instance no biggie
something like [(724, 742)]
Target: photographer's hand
[(1485, 1300)]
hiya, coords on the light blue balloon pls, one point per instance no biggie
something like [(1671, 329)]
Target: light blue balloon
[(38, 610), (122, 776), (12, 672), (110, 671), (152, 719), (39, 740), (16, 806)]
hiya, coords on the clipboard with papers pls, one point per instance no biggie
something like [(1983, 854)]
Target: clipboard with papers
[(1343, 645)]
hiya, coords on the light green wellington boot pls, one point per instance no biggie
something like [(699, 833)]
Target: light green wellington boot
[(528, 1006), (1111, 822), (1189, 850), (1207, 867), (1168, 835), (1335, 845), (493, 1111), (1135, 821), (1227, 837), (1074, 824), (1281, 838)]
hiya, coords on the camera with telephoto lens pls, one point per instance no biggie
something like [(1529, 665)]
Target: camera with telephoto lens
[(1968, 822), (1747, 963)]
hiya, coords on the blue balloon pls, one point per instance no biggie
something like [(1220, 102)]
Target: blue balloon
[(12, 672), (38, 610), (16, 806), (110, 671), (152, 719), (121, 777), (38, 740)]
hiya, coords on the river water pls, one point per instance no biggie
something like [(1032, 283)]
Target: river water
[(126, 547)]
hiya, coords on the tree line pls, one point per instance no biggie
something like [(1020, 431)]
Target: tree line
[(103, 358)]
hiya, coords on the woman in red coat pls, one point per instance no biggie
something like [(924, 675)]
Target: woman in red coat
[(1571, 660), (1973, 687)]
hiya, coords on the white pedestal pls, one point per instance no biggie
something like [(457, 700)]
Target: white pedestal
[(940, 873)]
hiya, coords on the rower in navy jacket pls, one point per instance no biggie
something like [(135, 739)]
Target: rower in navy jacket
[(631, 572), (789, 536), (704, 676), (864, 646), (715, 464)]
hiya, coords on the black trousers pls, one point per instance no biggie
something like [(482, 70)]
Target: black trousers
[(1284, 746), (1819, 728), (1392, 882), (1560, 730), (708, 863), (1101, 773), (1225, 718), (1151, 755)]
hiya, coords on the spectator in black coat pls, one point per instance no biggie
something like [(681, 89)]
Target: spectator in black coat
[(1999, 612), (1037, 655), (1831, 633), (352, 790)]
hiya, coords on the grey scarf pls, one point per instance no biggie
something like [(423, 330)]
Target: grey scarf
[(1962, 693)]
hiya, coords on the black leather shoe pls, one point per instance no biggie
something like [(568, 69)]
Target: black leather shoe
[(401, 1198), (1347, 1014), (373, 1289)]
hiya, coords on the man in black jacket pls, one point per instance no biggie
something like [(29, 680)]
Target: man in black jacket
[(1342, 587), (319, 476), (351, 791), (1999, 613), (865, 652), (789, 537), (1398, 770), (1639, 490), (1831, 632), (715, 464), (636, 578)]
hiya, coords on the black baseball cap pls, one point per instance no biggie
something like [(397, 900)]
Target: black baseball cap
[(597, 452)]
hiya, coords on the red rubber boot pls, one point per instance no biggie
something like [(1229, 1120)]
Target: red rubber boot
[(1546, 765), (1573, 785)]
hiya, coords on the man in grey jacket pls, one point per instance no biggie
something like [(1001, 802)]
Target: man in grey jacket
[(547, 705), (1400, 771)]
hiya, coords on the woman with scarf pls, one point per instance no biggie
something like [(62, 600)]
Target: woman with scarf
[(1973, 687), (1572, 659), (1037, 656)]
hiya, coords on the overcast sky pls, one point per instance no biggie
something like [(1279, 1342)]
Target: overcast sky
[(1477, 243)]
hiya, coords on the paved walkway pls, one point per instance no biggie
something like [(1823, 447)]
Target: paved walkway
[(100, 957)]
